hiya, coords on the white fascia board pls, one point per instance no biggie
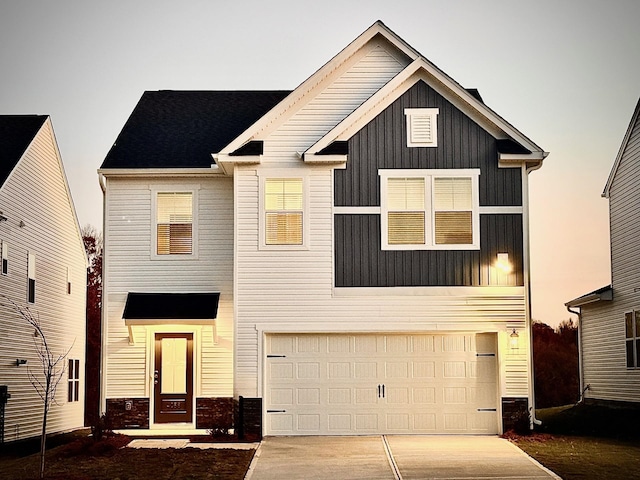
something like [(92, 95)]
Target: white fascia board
[(159, 172), (422, 69), (291, 101), (227, 162), (623, 146), (314, 158)]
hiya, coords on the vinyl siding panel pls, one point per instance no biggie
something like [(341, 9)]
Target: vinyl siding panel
[(131, 267), (360, 261), (382, 144), (293, 291), (603, 324), (360, 78), (36, 193)]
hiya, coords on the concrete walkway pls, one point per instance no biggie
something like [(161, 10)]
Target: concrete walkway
[(185, 443), (393, 458)]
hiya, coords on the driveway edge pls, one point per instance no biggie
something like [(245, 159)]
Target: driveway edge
[(534, 461), (252, 465)]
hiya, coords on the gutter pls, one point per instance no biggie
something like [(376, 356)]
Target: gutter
[(525, 213)]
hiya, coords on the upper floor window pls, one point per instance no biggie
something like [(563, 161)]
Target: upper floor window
[(430, 209), (174, 223), (31, 275), (422, 127), (4, 254), (632, 338), (283, 211)]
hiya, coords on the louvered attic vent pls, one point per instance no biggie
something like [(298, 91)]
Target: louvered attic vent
[(422, 127)]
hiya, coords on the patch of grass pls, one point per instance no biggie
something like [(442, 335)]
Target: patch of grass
[(574, 457), (585, 442)]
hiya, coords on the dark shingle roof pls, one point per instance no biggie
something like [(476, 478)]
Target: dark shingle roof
[(178, 129), (16, 133)]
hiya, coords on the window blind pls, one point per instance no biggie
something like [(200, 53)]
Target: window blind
[(453, 208), (283, 211), (175, 223)]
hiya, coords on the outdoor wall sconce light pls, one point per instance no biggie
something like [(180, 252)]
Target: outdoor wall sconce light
[(20, 361), (514, 339), (22, 224), (2, 218), (502, 263)]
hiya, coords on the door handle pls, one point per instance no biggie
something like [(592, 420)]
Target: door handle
[(155, 377), (383, 396), (379, 390)]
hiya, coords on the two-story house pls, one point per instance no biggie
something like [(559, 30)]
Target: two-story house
[(349, 257), (43, 270), (609, 318)]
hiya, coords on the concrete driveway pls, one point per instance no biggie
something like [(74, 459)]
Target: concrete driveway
[(393, 458)]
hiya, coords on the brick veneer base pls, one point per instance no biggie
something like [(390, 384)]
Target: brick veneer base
[(515, 413), (119, 417), (215, 413)]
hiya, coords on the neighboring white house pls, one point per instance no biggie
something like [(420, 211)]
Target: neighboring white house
[(609, 318), (350, 257), (44, 269)]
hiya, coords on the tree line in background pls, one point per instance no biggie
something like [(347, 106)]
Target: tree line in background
[(555, 364), (93, 246)]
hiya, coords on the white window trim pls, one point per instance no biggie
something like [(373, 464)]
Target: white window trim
[(430, 112), (429, 175), (193, 189), (262, 244)]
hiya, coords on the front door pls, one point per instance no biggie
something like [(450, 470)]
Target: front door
[(173, 378)]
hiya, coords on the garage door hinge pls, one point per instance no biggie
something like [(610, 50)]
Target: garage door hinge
[(276, 356), (487, 410), (276, 411), (485, 354)]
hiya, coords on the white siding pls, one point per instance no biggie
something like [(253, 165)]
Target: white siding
[(36, 194), (130, 267), (362, 77), (603, 325), (292, 291)]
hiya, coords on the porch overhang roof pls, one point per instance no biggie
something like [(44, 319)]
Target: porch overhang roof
[(602, 294), (145, 309)]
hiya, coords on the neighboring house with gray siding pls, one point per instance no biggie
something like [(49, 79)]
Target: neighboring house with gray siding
[(357, 249), (609, 318), (43, 269)]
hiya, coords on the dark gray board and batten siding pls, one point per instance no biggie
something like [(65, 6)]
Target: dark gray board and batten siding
[(382, 144)]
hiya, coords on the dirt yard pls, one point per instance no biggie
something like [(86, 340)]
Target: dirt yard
[(84, 459)]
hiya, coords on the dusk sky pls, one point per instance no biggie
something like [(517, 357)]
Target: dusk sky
[(565, 73)]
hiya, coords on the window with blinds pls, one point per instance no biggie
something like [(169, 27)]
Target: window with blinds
[(422, 127), (174, 223), (406, 211), (429, 209), (283, 205), (453, 211)]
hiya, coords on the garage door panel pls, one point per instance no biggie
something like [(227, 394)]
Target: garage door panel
[(376, 383)]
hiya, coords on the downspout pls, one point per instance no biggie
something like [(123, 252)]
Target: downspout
[(578, 313), (103, 383), (527, 280)]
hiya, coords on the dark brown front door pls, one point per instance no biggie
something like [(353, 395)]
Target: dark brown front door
[(173, 378)]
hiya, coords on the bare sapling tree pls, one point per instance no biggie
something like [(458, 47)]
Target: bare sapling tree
[(53, 367)]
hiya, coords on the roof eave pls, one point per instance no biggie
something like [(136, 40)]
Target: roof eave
[(623, 146), (602, 294)]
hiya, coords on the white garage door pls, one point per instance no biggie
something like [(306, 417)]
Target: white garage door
[(336, 384)]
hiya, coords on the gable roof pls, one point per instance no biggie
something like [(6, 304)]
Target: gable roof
[(16, 134), (521, 148), (623, 147), (514, 142), (181, 129)]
